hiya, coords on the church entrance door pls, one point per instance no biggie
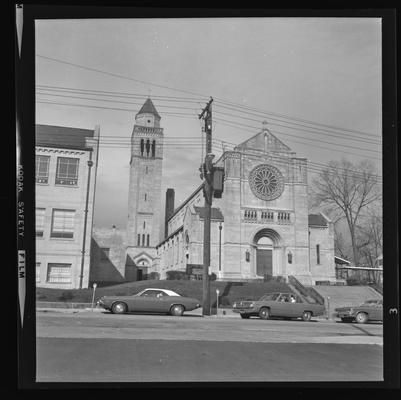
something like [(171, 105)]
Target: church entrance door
[(264, 262)]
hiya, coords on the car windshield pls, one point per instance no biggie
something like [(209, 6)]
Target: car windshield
[(372, 302), (271, 296)]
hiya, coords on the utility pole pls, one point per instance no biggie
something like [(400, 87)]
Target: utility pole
[(207, 175)]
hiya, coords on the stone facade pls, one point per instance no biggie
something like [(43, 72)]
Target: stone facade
[(144, 198), (63, 186), (261, 225)]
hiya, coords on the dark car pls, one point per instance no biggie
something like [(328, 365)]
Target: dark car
[(287, 305), (370, 310), (150, 301)]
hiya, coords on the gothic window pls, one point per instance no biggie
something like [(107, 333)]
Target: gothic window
[(147, 147), (139, 239), (317, 254), (146, 196), (142, 146), (144, 224), (153, 148), (266, 182), (143, 239), (147, 240)]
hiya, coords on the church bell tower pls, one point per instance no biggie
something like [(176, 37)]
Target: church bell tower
[(144, 197)]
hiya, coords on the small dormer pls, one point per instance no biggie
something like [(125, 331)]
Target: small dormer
[(148, 115)]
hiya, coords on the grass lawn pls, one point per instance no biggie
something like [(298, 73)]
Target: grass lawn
[(229, 291)]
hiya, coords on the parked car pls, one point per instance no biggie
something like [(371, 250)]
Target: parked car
[(150, 300), (370, 310), (286, 305)]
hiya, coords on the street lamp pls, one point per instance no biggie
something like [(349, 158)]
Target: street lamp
[(217, 301), (93, 295)]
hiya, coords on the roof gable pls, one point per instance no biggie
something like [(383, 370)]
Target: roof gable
[(62, 137), (149, 108), (264, 141), (316, 220)]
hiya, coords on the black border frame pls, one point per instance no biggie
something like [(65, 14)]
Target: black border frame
[(24, 69)]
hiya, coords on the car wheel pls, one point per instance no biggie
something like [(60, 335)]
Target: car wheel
[(264, 313), (119, 308), (245, 316), (361, 318), (177, 310), (306, 316)]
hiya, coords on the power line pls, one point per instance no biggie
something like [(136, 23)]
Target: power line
[(296, 127), (222, 100), (117, 75), (217, 119)]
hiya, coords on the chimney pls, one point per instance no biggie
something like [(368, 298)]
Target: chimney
[(169, 208)]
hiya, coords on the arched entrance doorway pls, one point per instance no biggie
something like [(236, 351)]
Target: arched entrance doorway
[(265, 245), (264, 256)]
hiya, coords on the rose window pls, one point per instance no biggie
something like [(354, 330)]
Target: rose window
[(266, 182)]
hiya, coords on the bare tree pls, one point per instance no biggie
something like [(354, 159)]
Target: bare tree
[(345, 190)]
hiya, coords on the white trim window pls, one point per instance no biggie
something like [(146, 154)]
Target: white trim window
[(42, 169), (58, 273), (38, 272), (40, 221), (63, 224), (67, 171)]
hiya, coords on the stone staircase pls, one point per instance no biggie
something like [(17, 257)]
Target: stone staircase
[(342, 296)]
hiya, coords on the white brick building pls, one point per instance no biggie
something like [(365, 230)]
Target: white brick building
[(66, 165)]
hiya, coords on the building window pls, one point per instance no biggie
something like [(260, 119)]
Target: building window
[(42, 169), (318, 254), (59, 273), (147, 147), (153, 148), (144, 224), (139, 239), (105, 253), (146, 196), (142, 147), (146, 169), (289, 257), (37, 272), (143, 240), (63, 224), (147, 240), (67, 171), (40, 221)]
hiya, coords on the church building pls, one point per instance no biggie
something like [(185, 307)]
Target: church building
[(260, 227)]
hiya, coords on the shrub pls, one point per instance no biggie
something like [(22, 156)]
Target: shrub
[(224, 301), (154, 275), (66, 296), (212, 276), (176, 275)]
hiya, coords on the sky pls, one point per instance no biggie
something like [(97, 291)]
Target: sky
[(316, 81)]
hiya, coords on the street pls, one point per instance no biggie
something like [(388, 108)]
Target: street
[(101, 347)]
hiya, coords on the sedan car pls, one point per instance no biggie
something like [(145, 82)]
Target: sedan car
[(286, 305), (150, 301), (370, 310)]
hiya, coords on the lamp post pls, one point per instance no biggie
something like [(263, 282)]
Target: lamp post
[(93, 295), (217, 302)]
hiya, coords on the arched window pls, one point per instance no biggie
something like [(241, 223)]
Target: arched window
[(139, 239), (142, 146), (153, 148), (143, 239), (144, 224), (147, 147), (147, 240)]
